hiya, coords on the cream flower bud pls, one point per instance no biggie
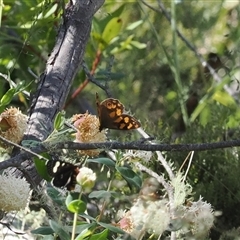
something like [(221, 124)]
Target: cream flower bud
[(86, 178), (14, 193)]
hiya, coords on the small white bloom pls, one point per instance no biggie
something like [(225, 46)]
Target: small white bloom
[(143, 155), (14, 193), (86, 177)]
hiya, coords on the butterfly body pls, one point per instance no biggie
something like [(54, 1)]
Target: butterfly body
[(64, 174), (111, 115)]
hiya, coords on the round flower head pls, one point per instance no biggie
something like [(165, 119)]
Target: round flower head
[(88, 132), (86, 178), (13, 124), (200, 215), (151, 216), (14, 193)]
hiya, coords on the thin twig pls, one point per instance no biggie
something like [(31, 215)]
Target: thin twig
[(90, 76), (22, 148)]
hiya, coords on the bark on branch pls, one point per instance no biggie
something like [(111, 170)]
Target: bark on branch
[(136, 145), (61, 68)]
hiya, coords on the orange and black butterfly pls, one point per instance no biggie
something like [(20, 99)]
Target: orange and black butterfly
[(111, 115)]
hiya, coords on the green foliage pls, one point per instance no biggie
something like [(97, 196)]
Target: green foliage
[(59, 121), (105, 161), (130, 176), (153, 76), (59, 230), (41, 166), (75, 205)]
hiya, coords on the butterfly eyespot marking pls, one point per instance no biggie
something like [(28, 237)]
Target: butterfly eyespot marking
[(126, 119), (118, 112), (109, 105)]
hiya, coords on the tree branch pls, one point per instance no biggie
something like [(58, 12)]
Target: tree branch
[(61, 68), (149, 147), (136, 145)]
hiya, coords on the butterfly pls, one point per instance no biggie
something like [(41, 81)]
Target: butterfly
[(64, 174), (111, 115)]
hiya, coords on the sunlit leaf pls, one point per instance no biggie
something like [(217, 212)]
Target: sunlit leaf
[(205, 115), (40, 165), (224, 98), (51, 10), (7, 97), (134, 25), (138, 44), (59, 121), (84, 234), (111, 30), (100, 236), (76, 206)]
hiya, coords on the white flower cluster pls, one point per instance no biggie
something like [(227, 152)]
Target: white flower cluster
[(14, 193), (151, 216), (198, 219), (146, 216), (143, 155), (88, 132), (151, 213)]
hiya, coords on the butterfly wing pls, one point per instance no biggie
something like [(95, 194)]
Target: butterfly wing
[(64, 174), (127, 122), (110, 112)]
